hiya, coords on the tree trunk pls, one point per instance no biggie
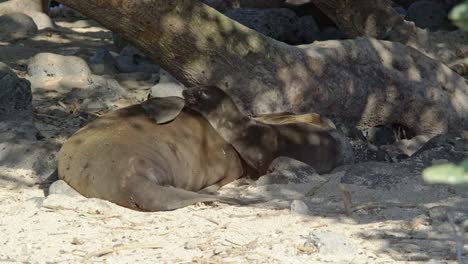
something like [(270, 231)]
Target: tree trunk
[(377, 19), (364, 82), (223, 5)]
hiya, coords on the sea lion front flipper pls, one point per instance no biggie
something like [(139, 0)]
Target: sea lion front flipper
[(163, 109), (149, 196)]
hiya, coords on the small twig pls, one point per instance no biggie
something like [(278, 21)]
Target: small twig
[(105, 251), (48, 116), (207, 219), (232, 242)]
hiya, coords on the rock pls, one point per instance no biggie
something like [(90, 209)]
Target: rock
[(41, 20), (331, 243), (378, 136), (16, 119), (299, 207), (64, 11), (364, 151), (439, 214), (345, 148), (47, 65), (62, 188), (330, 33), (442, 147), (307, 30), (131, 59), (32, 8), (427, 14), (26, 155), (102, 62), (284, 170), (14, 6), (377, 175), (16, 26), (276, 23), (98, 95), (401, 11)]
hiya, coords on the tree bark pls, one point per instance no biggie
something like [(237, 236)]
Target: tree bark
[(377, 19), (223, 5), (363, 82)]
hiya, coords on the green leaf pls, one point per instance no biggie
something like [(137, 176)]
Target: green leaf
[(446, 173), (459, 15)]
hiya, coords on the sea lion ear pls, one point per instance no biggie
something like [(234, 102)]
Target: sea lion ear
[(163, 109)]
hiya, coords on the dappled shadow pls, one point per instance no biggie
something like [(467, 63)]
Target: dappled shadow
[(360, 82), (60, 40)]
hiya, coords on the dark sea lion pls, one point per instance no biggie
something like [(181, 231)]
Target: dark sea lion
[(260, 143), (127, 158)]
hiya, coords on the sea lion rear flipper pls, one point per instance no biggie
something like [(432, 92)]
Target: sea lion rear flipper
[(149, 196), (163, 109)]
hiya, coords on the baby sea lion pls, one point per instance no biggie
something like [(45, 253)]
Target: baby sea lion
[(259, 143), (127, 158)]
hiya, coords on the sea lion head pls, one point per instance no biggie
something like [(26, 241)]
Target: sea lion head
[(205, 99)]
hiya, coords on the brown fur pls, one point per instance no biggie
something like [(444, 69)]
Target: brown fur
[(260, 143), (127, 158)]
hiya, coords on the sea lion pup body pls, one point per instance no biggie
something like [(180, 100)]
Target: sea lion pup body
[(260, 143), (127, 158)]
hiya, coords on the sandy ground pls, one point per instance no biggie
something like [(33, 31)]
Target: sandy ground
[(309, 222)]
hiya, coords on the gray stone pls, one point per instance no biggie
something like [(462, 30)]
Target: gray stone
[(102, 62), (401, 11), (62, 188), (427, 14), (307, 30), (15, 93), (276, 23), (64, 11), (330, 33), (330, 243), (364, 151), (346, 150), (14, 6), (36, 156), (442, 213), (131, 59), (377, 175), (441, 147), (41, 20), (16, 26), (284, 170), (299, 207), (15, 106), (46, 65)]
